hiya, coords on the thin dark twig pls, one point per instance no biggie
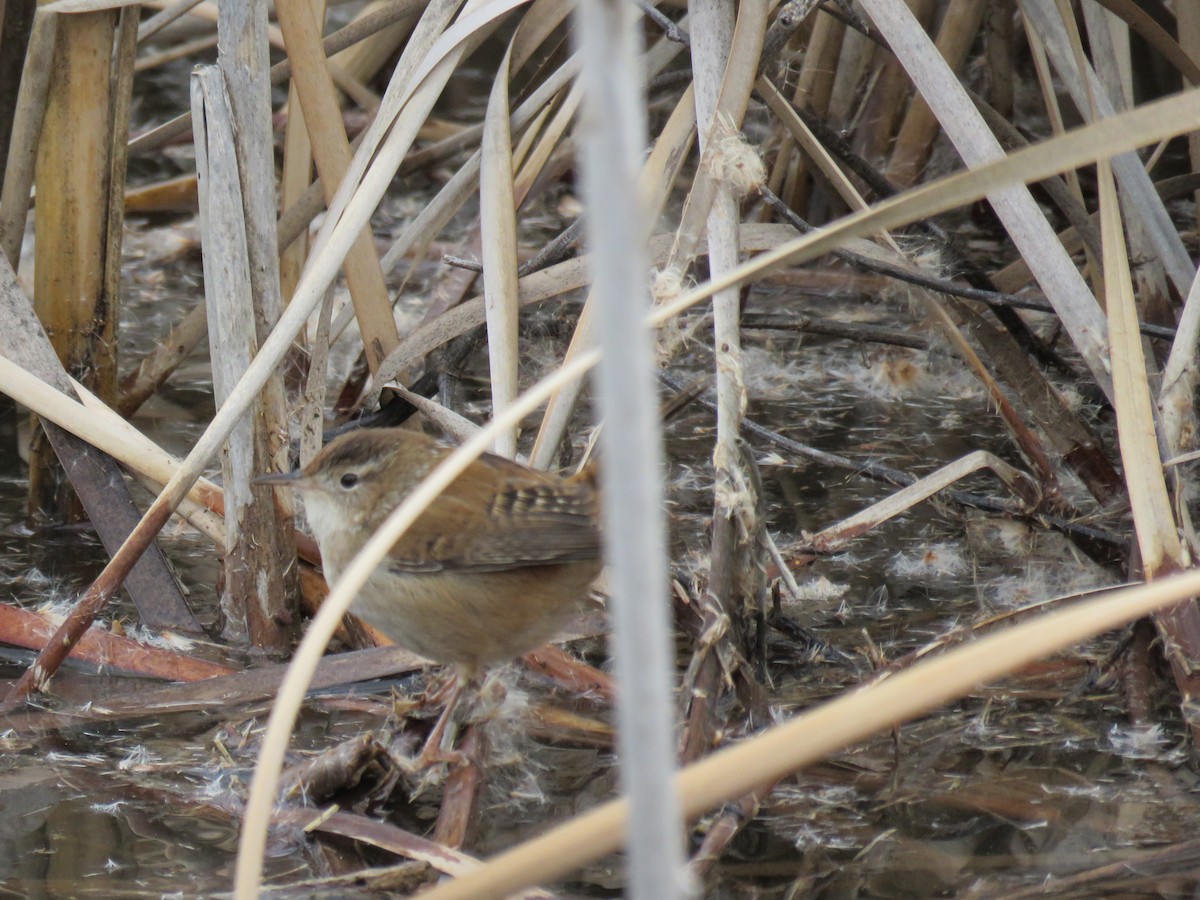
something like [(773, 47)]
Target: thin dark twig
[(849, 330), (941, 285), (554, 252), (459, 262), (671, 31), (846, 14)]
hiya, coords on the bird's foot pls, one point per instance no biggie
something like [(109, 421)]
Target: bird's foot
[(486, 702)]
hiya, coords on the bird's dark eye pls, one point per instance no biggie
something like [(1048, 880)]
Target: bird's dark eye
[(349, 480)]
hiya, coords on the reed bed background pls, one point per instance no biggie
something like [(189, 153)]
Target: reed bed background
[(906, 290)]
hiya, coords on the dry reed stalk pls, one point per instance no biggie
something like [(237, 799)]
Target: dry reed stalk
[(1090, 235), (554, 281), (71, 235), (540, 141), (1045, 406), (331, 152), (354, 89), (632, 500), (95, 477), (498, 242), (1085, 89), (797, 132), (1024, 222), (1161, 551), (555, 420), (722, 134), (30, 629), (390, 839), (919, 130), (1109, 39), (1154, 34), (21, 153), (658, 175), (311, 414), (998, 49), (814, 87), (1156, 522), (244, 63), (1179, 380), (720, 833), (424, 68), (406, 103), (833, 537), (859, 53), (555, 725), (569, 672), (254, 685), (121, 97), (453, 290), (723, 66), (266, 547), (885, 100), (91, 420), (254, 596), (363, 60), (157, 367), (295, 178), (461, 809), (16, 24), (87, 6), (171, 195), (1113, 135)]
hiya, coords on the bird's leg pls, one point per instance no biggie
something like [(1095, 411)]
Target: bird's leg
[(489, 698), (433, 751), (439, 687)]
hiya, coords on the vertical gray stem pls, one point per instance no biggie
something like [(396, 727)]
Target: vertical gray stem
[(613, 128)]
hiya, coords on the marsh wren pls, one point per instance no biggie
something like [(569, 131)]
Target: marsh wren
[(496, 565)]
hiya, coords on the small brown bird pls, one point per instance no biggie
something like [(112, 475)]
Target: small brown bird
[(492, 569)]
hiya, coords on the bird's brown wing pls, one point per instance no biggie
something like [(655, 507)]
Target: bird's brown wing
[(500, 515)]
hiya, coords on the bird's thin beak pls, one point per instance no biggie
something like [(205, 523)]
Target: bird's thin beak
[(285, 478)]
